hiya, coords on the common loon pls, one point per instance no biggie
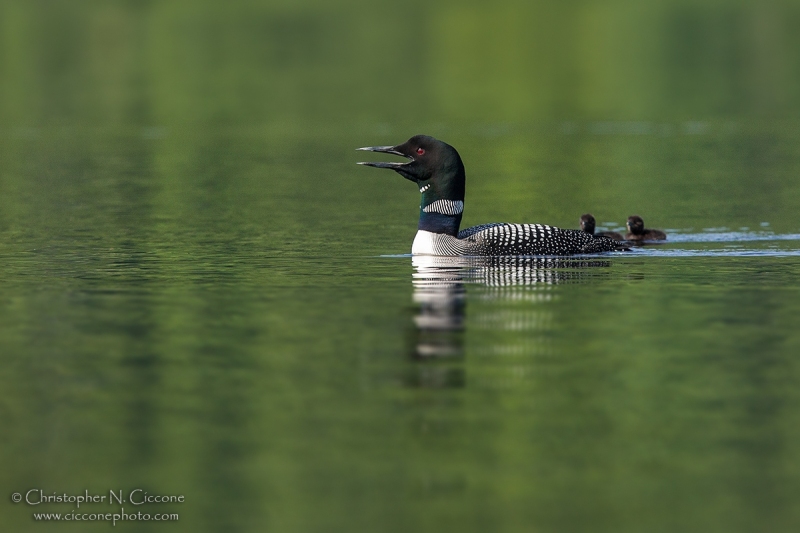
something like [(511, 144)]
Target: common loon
[(587, 225), (637, 231), (437, 170)]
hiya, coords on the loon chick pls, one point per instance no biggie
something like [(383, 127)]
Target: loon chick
[(437, 170), (587, 225), (637, 231)]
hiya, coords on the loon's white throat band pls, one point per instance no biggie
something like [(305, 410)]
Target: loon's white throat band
[(445, 207)]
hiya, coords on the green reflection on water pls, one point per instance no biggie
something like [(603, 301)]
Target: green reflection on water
[(192, 299)]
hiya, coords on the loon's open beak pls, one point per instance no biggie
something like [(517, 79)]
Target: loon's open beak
[(386, 150)]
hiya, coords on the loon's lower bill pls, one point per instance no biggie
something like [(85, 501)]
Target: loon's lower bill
[(437, 170)]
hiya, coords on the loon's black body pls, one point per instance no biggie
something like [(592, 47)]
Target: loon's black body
[(439, 173)]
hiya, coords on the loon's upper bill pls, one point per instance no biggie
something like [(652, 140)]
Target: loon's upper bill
[(439, 173)]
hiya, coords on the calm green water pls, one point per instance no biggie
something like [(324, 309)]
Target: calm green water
[(202, 295)]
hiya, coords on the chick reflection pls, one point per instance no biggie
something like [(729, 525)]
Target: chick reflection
[(440, 298)]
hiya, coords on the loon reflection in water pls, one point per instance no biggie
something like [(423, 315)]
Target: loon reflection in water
[(440, 296)]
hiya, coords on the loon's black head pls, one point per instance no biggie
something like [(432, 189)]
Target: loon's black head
[(636, 225), (432, 165), (437, 170), (587, 223)]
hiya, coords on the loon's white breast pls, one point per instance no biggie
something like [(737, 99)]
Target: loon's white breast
[(424, 243)]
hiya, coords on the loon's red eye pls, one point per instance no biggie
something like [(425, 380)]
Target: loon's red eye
[(420, 151)]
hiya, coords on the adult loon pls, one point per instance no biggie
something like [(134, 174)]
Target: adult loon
[(588, 224), (637, 231), (437, 170)]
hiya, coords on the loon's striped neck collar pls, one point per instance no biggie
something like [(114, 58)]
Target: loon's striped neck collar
[(440, 215)]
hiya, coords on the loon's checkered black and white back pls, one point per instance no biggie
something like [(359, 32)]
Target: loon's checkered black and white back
[(501, 239), (437, 170), (532, 239)]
